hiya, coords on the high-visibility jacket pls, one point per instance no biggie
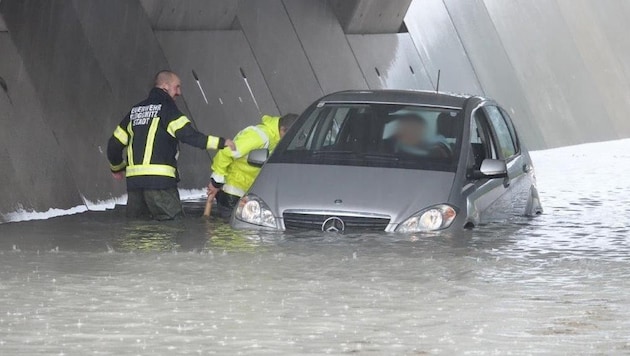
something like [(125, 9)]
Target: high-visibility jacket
[(150, 132), (230, 168)]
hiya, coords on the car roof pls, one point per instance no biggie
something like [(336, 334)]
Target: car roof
[(413, 97)]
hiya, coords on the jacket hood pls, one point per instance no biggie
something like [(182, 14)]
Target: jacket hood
[(271, 124)]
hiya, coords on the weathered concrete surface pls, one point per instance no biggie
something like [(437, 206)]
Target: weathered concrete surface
[(75, 97), (396, 65), (595, 26), (325, 45), (279, 54), (370, 16), (440, 47), (492, 67), (189, 15), (73, 68), (128, 54), (35, 172), (565, 102)]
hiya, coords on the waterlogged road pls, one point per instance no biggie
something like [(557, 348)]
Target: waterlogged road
[(558, 284)]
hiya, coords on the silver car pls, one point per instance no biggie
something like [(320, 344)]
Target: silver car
[(394, 161)]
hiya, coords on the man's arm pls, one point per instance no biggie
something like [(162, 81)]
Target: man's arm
[(183, 131), (115, 146), (245, 141)]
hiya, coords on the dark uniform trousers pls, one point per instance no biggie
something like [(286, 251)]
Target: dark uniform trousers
[(226, 204), (160, 204)]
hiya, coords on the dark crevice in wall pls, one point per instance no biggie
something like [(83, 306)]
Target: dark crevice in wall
[(5, 88)]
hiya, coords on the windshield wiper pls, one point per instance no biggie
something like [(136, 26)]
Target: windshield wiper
[(374, 156), (333, 153)]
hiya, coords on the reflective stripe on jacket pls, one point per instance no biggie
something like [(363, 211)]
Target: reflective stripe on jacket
[(231, 168)]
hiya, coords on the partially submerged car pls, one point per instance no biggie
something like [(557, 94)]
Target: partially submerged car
[(394, 161)]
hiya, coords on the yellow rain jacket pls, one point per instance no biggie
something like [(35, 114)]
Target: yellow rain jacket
[(231, 168)]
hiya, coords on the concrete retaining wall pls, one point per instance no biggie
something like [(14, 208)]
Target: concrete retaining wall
[(71, 69)]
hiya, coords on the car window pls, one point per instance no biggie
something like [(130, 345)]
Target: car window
[(339, 118), (502, 132), (481, 141), (512, 130), (475, 136), (376, 135)]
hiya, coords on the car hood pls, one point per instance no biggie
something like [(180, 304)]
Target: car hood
[(398, 193)]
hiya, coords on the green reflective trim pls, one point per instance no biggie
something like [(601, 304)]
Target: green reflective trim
[(148, 149), (177, 125), (121, 135), (119, 167), (213, 143), (130, 146), (151, 170)]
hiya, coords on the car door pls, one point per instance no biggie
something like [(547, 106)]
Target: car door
[(506, 142), (482, 194)]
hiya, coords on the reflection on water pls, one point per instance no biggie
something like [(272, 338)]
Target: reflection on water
[(557, 284), (149, 237), (197, 235)]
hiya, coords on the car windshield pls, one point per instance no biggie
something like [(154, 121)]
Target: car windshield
[(375, 135)]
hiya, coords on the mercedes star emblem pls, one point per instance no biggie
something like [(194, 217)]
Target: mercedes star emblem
[(333, 224)]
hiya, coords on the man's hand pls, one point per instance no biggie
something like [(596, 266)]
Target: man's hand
[(212, 190), (119, 175), (229, 143)]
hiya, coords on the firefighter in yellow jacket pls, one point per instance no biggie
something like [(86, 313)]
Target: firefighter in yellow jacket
[(232, 176)]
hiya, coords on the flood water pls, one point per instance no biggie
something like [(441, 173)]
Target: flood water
[(558, 284)]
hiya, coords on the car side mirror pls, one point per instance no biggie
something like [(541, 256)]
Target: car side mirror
[(257, 158), (492, 169)]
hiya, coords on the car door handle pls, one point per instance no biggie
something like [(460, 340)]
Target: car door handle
[(527, 168)]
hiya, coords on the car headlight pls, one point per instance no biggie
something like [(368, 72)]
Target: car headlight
[(435, 218), (251, 209)]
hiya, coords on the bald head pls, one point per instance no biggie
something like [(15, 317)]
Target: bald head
[(169, 82)]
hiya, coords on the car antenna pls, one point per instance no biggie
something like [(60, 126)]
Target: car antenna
[(437, 86)]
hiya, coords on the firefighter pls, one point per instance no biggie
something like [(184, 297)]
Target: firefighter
[(232, 176), (151, 132)]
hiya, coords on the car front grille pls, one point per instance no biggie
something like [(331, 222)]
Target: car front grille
[(300, 221)]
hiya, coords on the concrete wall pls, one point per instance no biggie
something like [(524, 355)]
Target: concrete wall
[(191, 15), (70, 70), (35, 169)]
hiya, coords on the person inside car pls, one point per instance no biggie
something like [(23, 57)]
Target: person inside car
[(412, 138)]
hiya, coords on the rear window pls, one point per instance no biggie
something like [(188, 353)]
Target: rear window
[(375, 135)]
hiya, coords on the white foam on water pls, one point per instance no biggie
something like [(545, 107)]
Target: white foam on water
[(22, 214), (29, 215), (190, 194)]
